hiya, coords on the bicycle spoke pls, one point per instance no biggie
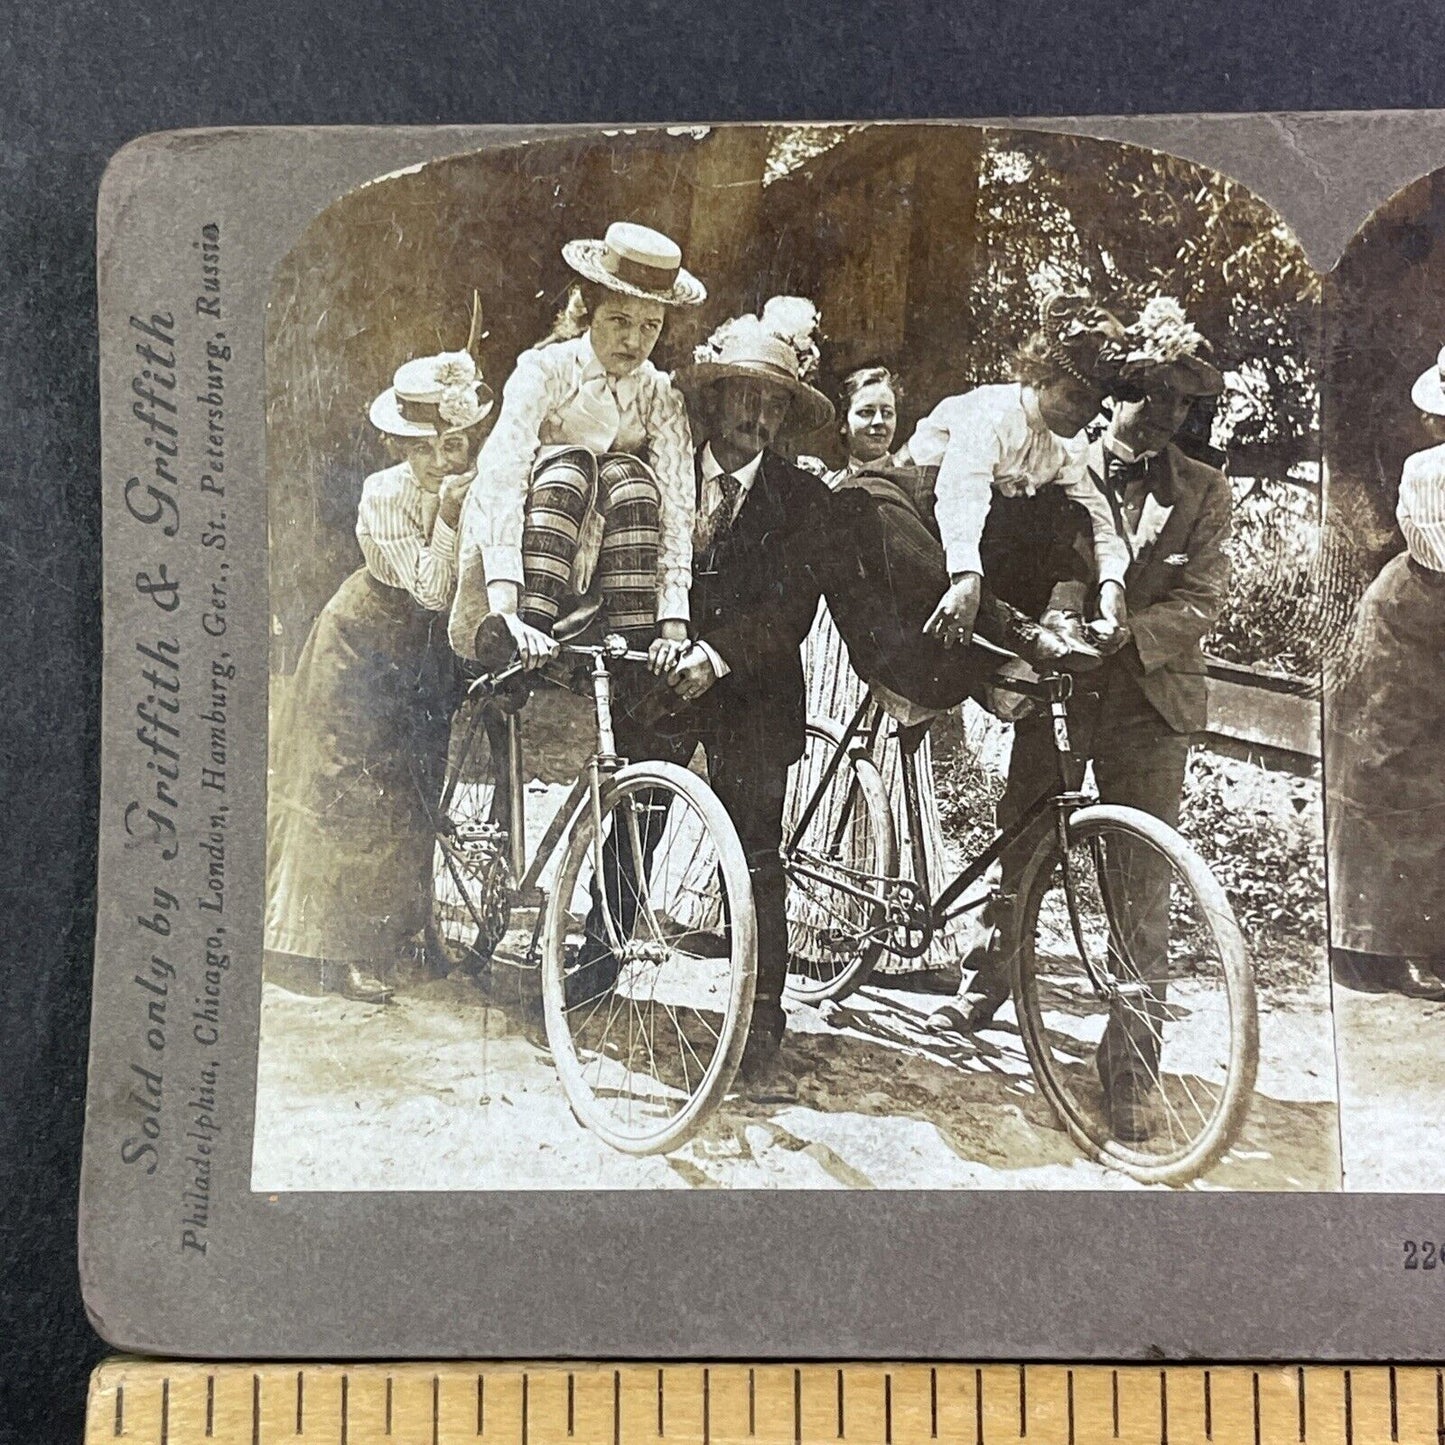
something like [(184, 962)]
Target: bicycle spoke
[(647, 1049), (1161, 1025)]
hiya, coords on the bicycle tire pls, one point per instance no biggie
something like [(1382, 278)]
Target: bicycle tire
[(716, 1077), (471, 871), (1057, 1080), (806, 894)]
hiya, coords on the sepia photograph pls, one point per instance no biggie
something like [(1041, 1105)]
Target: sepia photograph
[(1385, 698), (795, 663)]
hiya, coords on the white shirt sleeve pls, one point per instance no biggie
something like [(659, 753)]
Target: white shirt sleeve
[(399, 553), (670, 447), (718, 665), (1111, 553), (964, 489), (494, 513)]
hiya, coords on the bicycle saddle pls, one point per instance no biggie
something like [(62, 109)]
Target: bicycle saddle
[(571, 625)]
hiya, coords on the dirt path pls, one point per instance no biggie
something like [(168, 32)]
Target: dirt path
[(1392, 1079), (441, 1091)]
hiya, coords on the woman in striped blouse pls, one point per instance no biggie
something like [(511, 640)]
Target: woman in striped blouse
[(586, 483), (1385, 748), (361, 743)]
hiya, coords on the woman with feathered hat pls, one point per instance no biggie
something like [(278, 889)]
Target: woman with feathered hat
[(585, 484), (977, 490), (362, 741)]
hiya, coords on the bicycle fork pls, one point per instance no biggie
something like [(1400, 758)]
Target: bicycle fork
[(1071, 772)]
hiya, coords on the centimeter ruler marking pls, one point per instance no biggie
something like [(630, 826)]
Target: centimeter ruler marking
[(174, 1403)]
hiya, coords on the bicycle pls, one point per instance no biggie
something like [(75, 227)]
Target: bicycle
[(646, 1000), (1125, 953)]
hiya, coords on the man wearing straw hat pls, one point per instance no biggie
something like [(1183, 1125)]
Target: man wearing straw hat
[(760, 543)]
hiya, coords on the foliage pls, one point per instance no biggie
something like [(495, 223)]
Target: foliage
[(1262, 835), (793, 146), (1277, 616), (1129, 224), (1260, 832)]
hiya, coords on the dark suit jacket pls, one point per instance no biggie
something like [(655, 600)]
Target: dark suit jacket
[(754, 600), (1177, 583)]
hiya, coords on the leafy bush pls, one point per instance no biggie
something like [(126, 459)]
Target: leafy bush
[(1259, 831), (1262, 835)]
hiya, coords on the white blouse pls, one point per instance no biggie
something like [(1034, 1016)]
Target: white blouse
[(1421, 508), (404, 540), (561, 395), (989, 440)]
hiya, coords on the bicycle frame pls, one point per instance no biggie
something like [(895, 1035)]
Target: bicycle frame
[(585, 791), (866, 727)]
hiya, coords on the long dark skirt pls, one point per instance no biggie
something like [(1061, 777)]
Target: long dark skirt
[(1385, 772), (358, 762)]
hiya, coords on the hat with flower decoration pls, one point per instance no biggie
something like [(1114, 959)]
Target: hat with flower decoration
[(1082, 338), (433, 395), (1164, 348), (779, 346)]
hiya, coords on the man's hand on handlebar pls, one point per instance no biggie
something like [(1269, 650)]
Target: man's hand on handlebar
[(1110, 630), (668, 648), (952, 620), (692, 677)]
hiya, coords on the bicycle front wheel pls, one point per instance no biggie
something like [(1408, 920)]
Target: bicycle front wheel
[(649, 960), (1135, 997), (836, 867)]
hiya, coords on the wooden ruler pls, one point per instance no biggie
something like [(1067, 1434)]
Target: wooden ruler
[(174, 1403)]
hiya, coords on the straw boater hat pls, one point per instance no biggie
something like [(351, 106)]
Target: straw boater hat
[(1428, 393), (1165, 346), (637, 261), (431, 396), (777, 346)]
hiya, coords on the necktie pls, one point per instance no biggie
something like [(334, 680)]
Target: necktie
[(595, 415), (1121, 473), (721, 517)]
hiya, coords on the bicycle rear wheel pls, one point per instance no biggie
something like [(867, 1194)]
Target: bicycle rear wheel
[(834, 866), (649, 959), (1150, 1059), (471, 870)]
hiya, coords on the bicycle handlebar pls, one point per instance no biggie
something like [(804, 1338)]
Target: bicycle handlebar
[(613, 648)]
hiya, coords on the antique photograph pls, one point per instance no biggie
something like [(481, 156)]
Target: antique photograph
[(796, 663), (1385, 701)]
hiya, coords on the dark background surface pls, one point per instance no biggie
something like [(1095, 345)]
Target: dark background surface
[(81, 79)]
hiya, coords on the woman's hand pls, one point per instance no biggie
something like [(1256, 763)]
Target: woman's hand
[(453, 493), (952, 620), (668, 647), (533, 647)]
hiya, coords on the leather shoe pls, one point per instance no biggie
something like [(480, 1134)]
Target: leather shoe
[(1374, 973), (1127, 1097), (1418, 979), (772, 1083), (766, 1077), (987, 992), (352, 981), (590, 976), (974, 1011)]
